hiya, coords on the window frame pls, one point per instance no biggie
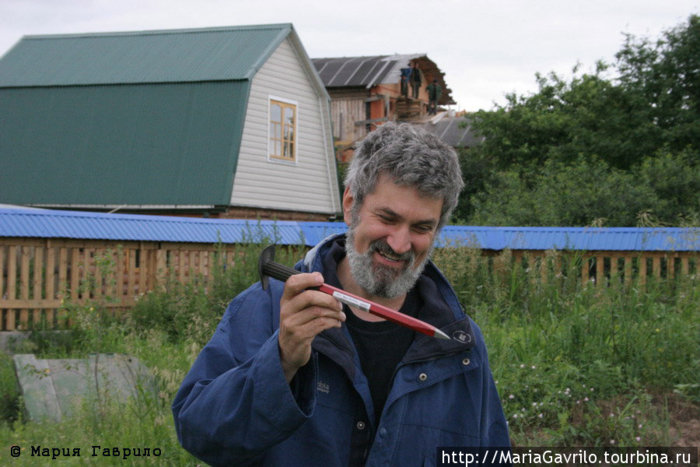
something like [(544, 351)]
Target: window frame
[(283, 104)]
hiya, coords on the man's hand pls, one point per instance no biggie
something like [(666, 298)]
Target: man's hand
[(304, 314)]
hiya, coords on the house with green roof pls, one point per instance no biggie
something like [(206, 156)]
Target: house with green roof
[(219, 122)]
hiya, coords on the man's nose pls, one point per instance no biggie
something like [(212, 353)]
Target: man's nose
[(400, 240)]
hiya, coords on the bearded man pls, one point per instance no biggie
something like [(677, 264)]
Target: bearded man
[(293, 377)]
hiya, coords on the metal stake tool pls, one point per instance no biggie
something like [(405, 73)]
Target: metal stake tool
[(268, 268)]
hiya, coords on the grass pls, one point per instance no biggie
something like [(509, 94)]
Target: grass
[(575, 365), (582, 365)]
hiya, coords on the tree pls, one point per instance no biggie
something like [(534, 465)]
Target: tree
[(588, 116), (628, 131), (667, 76)]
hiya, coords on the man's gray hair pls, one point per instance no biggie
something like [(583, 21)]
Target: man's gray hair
[(410, 156)]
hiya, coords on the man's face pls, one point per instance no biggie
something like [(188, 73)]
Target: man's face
[(390, 237)]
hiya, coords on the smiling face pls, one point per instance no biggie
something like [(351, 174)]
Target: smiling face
[(390, 237)]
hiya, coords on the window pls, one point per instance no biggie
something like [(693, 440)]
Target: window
[(283, 130)]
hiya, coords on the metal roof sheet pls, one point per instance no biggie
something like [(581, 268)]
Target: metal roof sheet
[(371, 71), (185, 55), (101, 226), (455, 131), (135, 227), (137, 144), (361, 71)]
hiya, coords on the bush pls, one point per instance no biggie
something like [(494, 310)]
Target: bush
[(583, 193)]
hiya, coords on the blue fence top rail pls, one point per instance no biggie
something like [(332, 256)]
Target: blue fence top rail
[(42, 223)]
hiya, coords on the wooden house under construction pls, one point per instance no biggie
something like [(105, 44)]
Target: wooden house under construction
[(366, 92)]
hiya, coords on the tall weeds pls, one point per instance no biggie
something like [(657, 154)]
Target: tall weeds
[(574, 363), (559, 348)]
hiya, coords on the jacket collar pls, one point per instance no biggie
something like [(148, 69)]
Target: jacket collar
[(441, 309)]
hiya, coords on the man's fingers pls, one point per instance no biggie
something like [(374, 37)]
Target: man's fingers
[(304, 313), (313, 313), (297, 298), (313, 298), (300, 282)]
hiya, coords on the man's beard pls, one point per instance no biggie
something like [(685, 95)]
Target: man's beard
[(380, 280)]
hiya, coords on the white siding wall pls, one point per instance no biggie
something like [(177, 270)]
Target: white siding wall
[(309, 184)]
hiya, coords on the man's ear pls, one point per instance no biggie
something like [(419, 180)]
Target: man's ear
[(348, 203)]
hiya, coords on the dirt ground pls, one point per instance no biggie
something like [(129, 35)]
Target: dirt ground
[(684, 430)]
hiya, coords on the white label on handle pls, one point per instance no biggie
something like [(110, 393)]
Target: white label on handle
[(351, 301)]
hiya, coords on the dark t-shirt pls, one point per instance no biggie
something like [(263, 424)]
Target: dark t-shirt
[(380, 345)]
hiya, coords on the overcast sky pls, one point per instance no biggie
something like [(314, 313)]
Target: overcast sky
[(486, 48)]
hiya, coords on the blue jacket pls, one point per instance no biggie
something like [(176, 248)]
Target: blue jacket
[(236, 408)]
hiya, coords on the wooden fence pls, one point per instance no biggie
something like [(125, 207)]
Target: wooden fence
[(40, 277), (601, 267)]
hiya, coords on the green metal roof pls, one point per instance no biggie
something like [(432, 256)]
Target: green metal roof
[(163, 144), (210, 54), (144, 119)]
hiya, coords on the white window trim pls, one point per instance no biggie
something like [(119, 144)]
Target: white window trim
[(279, 160)]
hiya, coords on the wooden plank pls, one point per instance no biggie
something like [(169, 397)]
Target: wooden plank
[(85, 274), (38, 283), (40, 303), (151, 277), (24, 286), (371, 120), (12, 273), (193, 265), (144, 267), (24, 272), (2, 275), (62, 282), (131, 273), (11, 286), (112, 272), (181, 268), (50, 277), (656, 266), (62, 271), (628, 269), (204, 263), (37, 279), (119, 280), (75, 274), (614, 263), (89, 273), (600, 270), (98, 279)]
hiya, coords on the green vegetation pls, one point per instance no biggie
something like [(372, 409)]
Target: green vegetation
[(615, 146), (577, 364), (574, 364)]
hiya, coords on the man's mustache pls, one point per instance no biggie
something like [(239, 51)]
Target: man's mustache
[(382, 247)]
